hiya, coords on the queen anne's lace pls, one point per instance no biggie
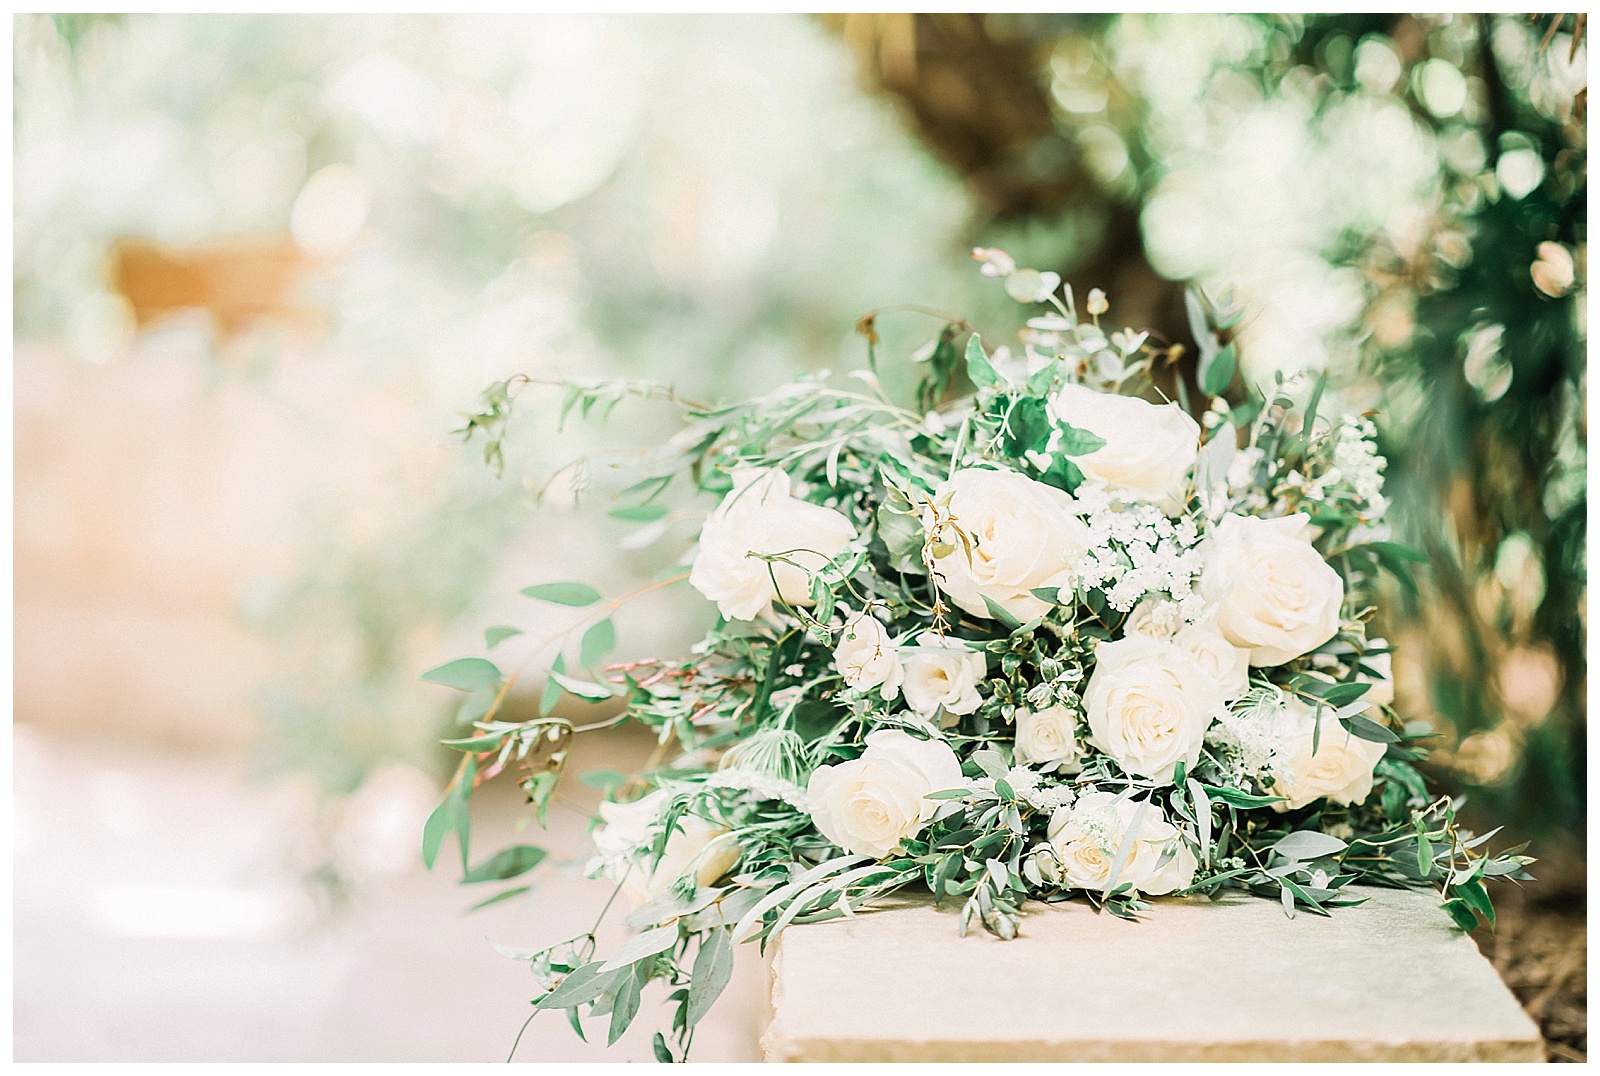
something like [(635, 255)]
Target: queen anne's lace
[(1135, 550)]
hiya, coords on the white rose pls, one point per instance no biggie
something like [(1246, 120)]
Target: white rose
[(1341, 769), (942, 673), (1382, 690), (1086, 837), (1155, 617), (1149, 703), (759, 516), (1275, 595), (872, 803), (1023, 535), (1229, 665), (1149, 448), (1049, 735), (696, 844), (867, 658)]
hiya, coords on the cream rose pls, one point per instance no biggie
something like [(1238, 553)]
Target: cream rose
[(867, 658), (1021, 535), (1084, 840), (944, 673), (872, 803), (1149, 703), (1340, 769), (1229, 665), (1049, 736), (1149, 448), (760, 516), (696, 844), (1275, 595)]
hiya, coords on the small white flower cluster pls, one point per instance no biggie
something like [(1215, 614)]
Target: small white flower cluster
[(1029, 784), (1252, 729), (1135, 550), (1354, 470), (1356, 458)]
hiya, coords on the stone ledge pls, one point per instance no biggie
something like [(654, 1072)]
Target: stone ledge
[(1235, 980)]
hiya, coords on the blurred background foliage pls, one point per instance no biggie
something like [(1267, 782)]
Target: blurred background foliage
[(364, 220)]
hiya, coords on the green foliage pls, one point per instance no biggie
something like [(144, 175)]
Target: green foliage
[(577, 595), (465, 674)]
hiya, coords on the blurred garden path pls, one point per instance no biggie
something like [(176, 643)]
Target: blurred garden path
[(161, 913)]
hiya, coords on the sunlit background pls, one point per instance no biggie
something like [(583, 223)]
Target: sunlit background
[(262, 265)]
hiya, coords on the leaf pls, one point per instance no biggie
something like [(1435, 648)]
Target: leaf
[(639, 513), (1202, 814), (992, 762), (1398, 550), (1394, 562), (1424, 856), (465, 674), (552, 687), (999, 612), (461, 815), (1239, 799), (582, 985), (434, 829), (1217, 375), (1367, 729), (1199, 323), (476, 744), (498, 897), (506, 863), (1027, 426), (1307, 844), (713, 967), (1340, 694), (670, 906), (978, 368), (604, 780), (1461, 912), (626, 1004), (597, 642), (476, 705), (576, 595), (653, 941), (493, 637), (747, 922), (1076, 442), (659, 1045), (584, 689)]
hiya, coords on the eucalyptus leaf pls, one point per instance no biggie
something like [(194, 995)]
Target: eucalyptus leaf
[(584, 689), (639, 513), (576, 595), (581, 986), (465, 674), (1306, 844), (978, 367), (493, 637), (653, 941), (713, 967), (597, 642), (506, 863)]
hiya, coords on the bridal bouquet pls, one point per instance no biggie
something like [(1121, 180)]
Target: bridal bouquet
[(1041, 635)]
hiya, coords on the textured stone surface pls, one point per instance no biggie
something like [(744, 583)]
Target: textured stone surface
[(1236, 980)]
